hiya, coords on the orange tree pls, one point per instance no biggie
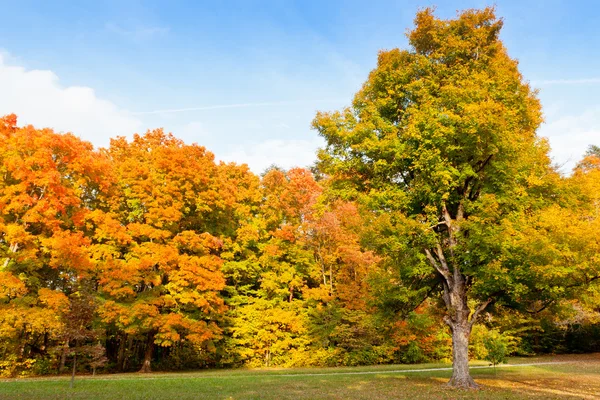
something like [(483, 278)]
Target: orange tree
[(49, 184), (157, 244), (441, 143)]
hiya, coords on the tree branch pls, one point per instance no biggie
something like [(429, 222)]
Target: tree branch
[(449, 321), (460, 213), (478, 311), (446, 297), (587, 281), (442, 269), (484, 163), (546, 305), (442, 223)]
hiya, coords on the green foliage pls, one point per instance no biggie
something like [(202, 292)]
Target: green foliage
[(592, 150), (496, 346)]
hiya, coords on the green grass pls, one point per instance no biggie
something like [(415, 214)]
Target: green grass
[(579, 378)]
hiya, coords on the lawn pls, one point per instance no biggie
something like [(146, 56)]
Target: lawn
[(572, 377)]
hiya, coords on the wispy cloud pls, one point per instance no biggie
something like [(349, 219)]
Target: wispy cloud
[(137, 32), (236, 105), (566, 81)]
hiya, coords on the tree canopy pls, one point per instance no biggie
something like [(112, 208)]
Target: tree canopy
[(441, 142)]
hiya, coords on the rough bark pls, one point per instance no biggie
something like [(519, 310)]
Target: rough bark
[(461, 378), (460, 325), (148, 354)]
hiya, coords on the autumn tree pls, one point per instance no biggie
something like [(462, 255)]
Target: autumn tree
[(268, 268), (591, 159), (49, 183), (157, 244), (593, 150), (441, 143)]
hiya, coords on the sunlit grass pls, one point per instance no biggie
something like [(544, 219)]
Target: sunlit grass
[(580, 378)]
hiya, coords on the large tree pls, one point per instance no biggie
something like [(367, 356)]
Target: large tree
[(157, 247), (441, 143)]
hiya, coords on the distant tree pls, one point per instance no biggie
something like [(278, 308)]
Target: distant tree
[(97, 355), (591, 159), (593, 150)]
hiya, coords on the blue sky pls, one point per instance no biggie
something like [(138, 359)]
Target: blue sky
[(246, 78)]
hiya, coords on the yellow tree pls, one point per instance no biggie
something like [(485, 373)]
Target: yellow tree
[(268, 269)]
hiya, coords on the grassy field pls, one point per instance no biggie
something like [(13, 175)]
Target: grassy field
[(576, 377)]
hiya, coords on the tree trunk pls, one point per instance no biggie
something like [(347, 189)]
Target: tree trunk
[(74, 367), (121, 352), (461, 378), (148, 354), (457, 318), (63, 358), (455, 285)]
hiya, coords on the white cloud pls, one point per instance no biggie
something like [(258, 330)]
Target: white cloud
[(215, 107), (570, 136), (283, 153), (37, 98)]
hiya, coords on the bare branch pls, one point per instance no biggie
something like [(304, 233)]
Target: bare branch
[(442, 269), (542, 308), (478, 311), (442, 223), (449, 321)]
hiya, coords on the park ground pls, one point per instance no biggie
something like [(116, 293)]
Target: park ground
[(548, 377)]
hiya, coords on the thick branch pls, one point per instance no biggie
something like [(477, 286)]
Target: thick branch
[(478, 310), (544, 306), (484, 163), (439, 252), (449, 322), (442, 269), (460, 214), (446, 297)]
